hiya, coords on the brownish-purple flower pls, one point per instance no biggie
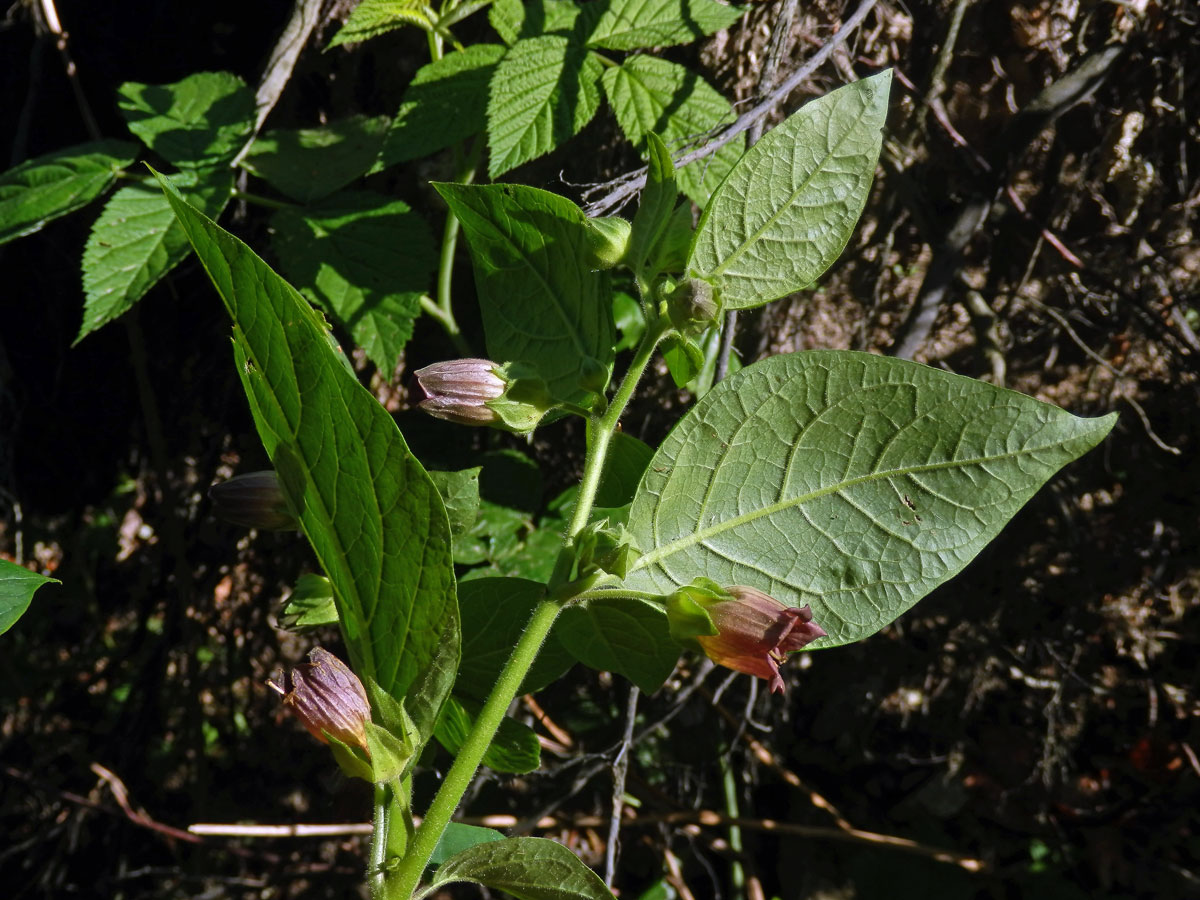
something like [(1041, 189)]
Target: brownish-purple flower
[(327, 698), (750, 631), (458, 390)]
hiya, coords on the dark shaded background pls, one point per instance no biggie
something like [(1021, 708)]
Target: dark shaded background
[(1037, 713)]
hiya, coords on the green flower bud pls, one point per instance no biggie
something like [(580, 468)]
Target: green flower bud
[(608, 239), (254, 500), (693, 305)]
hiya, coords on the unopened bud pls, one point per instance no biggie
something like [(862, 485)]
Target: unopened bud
[(255, 500), (608, 239), (693, 305), (327, 698), (458, 390)]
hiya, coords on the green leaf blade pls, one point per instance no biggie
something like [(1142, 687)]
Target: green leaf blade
[(40, 190), (850, 482), (137, 240), (655, 96), (200, 121), (623, 635), (632, 24), (308, 164), (372, 18), (17, 587), (543, 92), (788, 208), (369, 509), (458, 81), (540, 303), (365, 258), (527, 868)]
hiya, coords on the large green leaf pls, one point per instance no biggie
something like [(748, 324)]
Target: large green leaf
[(202, 120), (651, 95), (850, 482), (445, 103), (17, 587), (786, 211), (494, 613), (514, 749), (623, 468), (622, 635), (458, 837), (364, 257), (369, 509), (630, 24), (137, 240), (527, 868), (540, 303), (515, 19), (307, 164), (654, 211), (543, 92), (42, 189)]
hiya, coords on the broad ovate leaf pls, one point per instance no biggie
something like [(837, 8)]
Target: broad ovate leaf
[(202, 120), (370, 511), (541, 304), (853, 483), (543, 92), (625, 635), (526, 868), (42, 189), (137, 240), (788, 208), (17, 587)]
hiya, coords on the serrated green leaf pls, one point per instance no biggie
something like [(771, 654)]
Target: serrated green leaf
[(459, 837), (543, 92), (364, 257), (42, 189), (372, 18), (425, 124), (654, 211), (494, 613), (137, 240), (514, 750), (540, 304), (651, 95), (623, 635), (514, 19), (200, 121), (310, 605), (630, 24), (369, 509), (17, 587), (786, 211), (307, 164), (527, 868), (850, 482)]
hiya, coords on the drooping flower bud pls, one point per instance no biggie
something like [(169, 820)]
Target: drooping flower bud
[(458, 390), (327, 698), (750, 632), (254, 500), (608, 239), (480, 392)]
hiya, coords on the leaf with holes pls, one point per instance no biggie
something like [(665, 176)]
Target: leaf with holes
[(850, 482)]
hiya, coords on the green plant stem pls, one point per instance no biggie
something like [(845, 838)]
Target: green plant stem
[(445, 313), (379, 839), (400, 884), (259, 200)]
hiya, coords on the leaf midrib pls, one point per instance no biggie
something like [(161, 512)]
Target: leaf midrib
[(783, 207), (698, 537)]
